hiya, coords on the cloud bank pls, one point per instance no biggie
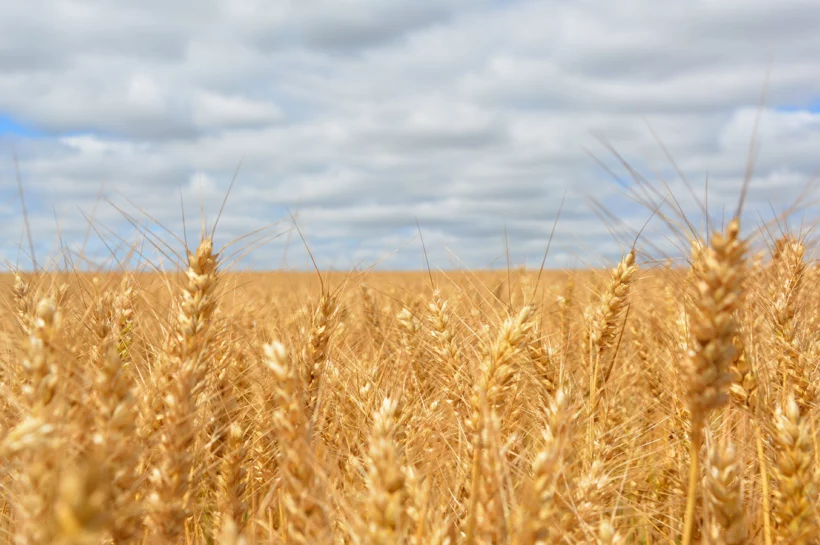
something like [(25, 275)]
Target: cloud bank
[(475, 119)]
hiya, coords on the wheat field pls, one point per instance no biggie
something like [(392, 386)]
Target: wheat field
[(657, 402)]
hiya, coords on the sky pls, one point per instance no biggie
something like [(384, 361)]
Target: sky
[(367, 121)]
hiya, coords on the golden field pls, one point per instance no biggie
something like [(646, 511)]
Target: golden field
[(653, 403)]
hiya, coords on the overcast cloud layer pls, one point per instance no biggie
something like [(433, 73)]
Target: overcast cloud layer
[(362, 116)]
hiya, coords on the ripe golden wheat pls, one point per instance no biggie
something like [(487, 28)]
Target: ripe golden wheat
[(650, 404)]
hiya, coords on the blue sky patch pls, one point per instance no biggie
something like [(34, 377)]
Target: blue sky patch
[(812, 106), (9, 125)]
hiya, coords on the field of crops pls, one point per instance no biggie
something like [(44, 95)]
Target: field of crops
[(654, 403)]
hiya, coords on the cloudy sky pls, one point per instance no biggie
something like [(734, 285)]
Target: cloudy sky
[(360, 117)]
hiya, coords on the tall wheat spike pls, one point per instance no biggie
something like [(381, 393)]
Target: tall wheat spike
[(719, 273), (795, 505), (182, 371), (304, 519)]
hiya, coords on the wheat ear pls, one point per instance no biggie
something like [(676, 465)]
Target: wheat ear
[(795, 499), (182, 370), (305, 519), (385, 479), (719, 272), (725, 493)]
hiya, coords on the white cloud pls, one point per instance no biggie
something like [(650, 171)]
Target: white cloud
[(365, 116), (217, 111)]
